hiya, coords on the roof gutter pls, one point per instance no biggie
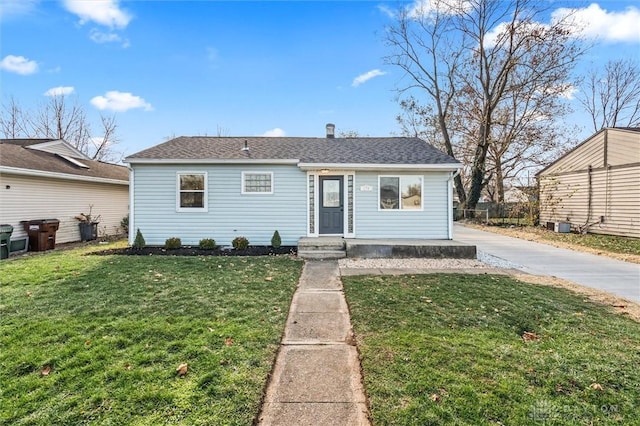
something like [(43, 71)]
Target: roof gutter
[(207, 161), (65, 176), (379, 167)]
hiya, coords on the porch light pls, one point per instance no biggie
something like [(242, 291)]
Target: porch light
[(324, 171)]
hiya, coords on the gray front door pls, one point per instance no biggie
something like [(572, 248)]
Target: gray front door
[(331, 205)]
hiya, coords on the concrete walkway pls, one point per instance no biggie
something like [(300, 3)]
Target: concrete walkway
[(316, 379), (599, 272)]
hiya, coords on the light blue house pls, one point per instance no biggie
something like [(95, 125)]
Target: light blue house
[(225, 187)]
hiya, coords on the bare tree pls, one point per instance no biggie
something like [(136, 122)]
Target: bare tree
[(612, 96), (474, 60), (60, 119)]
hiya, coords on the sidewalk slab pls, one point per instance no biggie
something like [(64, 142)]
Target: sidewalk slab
[(316, 374), (317, 327), (320, 275), (314, 414), (314, 301)]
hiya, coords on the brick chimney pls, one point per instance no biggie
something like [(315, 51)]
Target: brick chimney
[(331, 130)]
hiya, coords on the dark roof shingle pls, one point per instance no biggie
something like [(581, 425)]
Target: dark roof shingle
[(13, 153), (365, 150)]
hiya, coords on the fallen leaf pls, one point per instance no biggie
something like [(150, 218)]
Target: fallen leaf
[(559, 389), (268, 278), (45, 370), (224, 362), (596, 386), (127, 366), (210, 329), (435, 397), (28, 294), (157, 274), (228, 341), (530, 337), (87, 342), (182, 369)]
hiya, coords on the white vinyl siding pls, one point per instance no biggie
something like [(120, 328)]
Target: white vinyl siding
[(230, 213), (257, 182), (33, 198), (429, 223)]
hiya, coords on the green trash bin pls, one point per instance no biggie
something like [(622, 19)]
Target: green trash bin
[(5, 240)]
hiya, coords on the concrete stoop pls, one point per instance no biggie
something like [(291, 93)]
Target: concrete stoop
[(328, 248), (316, 379), (322, 248)]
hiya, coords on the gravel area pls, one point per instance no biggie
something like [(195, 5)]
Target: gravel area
[(411, 263)]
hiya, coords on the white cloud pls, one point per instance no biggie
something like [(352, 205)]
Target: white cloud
[(102, 12), (386, 10), (362, 78), (120, 101), (595, 22), (9, 8), (18, 65), (101, 37), (276, 132), (59, 91)]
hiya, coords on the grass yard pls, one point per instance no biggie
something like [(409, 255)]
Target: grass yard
[(451, 349), (97, 339)]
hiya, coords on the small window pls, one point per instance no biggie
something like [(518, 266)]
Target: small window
[(400, 192), (192, 191), (257, 182)]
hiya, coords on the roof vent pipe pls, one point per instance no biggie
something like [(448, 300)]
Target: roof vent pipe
[(331, 130), (246, 146)]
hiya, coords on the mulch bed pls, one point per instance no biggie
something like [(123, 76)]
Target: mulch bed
[(195, 251)]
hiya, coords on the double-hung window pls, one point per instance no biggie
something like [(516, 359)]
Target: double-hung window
[(191, 191), (257, 182), (400, 192)]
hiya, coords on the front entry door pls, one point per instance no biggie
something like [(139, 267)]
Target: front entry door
[(331, 205)]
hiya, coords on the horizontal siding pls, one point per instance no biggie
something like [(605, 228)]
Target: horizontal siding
[(590, 153), (431, 223), (230, 214), (32, 198), (623, 147), (615, 195)]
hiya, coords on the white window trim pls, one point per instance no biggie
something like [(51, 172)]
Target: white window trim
[(205, 197), (249, 172), (400, 194)]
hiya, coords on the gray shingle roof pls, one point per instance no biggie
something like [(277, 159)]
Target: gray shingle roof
[(13, 153), (391, 150)]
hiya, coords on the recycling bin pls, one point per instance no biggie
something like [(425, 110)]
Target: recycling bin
[(5, 240), (42, 233)]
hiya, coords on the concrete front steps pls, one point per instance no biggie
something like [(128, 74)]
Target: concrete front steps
[(324, 248)]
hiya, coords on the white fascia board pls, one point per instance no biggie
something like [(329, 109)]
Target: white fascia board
[(66, 176), (39, 146), (206, 161), (342, 166)]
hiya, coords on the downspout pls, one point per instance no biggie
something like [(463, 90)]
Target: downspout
[(131, 205), (450, 203)]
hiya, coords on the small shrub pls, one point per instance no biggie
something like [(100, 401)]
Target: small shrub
[(240, 243), (276, 242), (124, 224), (173, 243), (207, 244), (139, 242)]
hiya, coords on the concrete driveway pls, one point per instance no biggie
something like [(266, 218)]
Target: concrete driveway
[(614, 276)]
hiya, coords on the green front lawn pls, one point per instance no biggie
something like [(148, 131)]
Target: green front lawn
[(451, 349), (97, 339)]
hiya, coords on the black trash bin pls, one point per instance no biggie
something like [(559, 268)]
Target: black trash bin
[(42, 233), (5, 240), (88, 231)]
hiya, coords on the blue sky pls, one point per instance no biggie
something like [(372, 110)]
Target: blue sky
[(250, 68)]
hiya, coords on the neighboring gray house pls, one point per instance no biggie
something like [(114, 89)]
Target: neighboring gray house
[(225, 187), (49, 178), (596, 186)]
